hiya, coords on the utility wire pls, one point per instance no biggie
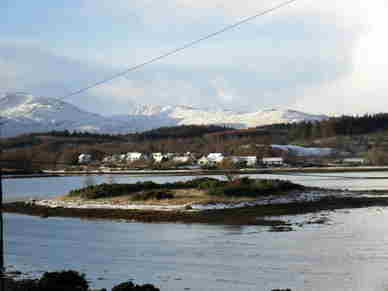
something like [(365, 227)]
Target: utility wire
[(2, 260), (179, 49)]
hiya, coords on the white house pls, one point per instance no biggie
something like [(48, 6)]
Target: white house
[(169, 155), (84, 158), (112, 159), (181, 159), (135, 156), (215, 157), (248, 160), (277, 161), (157, 157), (354, 161)]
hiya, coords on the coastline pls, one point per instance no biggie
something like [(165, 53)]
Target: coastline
[(136, 215), (250, 215), (200, 172)]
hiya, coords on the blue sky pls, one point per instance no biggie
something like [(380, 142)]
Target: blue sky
[(315, 56)]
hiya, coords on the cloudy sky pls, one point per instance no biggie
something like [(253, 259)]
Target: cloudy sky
[(316, 56)]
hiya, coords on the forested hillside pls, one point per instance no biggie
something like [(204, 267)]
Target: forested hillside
[(344, 125)]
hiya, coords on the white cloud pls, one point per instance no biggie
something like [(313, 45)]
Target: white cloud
[(364, 88), (326, 56)]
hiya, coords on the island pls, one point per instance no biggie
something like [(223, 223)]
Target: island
[(231, 201)]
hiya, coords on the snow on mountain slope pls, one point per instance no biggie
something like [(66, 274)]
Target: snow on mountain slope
[(23, 113), (189, 115), (40, 108), (26, 113)]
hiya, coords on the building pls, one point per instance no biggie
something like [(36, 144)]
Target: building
[(276, 161), (249, 161), (84, 158), (169, 156), (157, 157), (113, 158), (181, 159), (215, 157), (354, 161), (135, 156)]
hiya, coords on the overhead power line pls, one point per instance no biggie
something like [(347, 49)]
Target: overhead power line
[(179, 49)]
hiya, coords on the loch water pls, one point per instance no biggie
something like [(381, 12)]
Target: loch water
[(348, 253)]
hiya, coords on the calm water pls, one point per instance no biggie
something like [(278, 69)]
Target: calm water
[(349, 254), (16, 189)]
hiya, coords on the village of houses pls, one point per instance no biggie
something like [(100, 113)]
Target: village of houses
[(211, 160), (188, 159)]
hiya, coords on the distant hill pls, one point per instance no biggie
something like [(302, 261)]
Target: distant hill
[(24, 113)]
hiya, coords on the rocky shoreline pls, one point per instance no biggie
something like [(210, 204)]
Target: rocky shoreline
[(249, 215), (190, 172), (307, 195)]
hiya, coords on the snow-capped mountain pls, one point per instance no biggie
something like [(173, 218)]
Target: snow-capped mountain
[(24, 113), (184, 115)]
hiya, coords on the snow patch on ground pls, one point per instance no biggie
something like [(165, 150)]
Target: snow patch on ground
[(270, 200), (291, 198), (105, 205), (304, 151)]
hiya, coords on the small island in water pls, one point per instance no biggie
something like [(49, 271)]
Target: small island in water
[(233, 201)]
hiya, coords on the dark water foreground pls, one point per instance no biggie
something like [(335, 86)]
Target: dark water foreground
[(347, 253)]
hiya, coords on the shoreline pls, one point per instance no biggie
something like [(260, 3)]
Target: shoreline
[(136, 215), (250, 215), (49, 173)]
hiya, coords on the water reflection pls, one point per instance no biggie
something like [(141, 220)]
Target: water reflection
[(349, 254)]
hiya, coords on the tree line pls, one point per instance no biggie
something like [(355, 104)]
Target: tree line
[(334, 126), (63, 147)]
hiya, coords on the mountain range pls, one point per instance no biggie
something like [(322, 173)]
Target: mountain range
[(24, 113)]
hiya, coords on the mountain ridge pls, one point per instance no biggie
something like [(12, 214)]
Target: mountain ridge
[(25, 113)]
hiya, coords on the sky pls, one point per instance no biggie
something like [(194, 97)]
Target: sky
[(315, 56)]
